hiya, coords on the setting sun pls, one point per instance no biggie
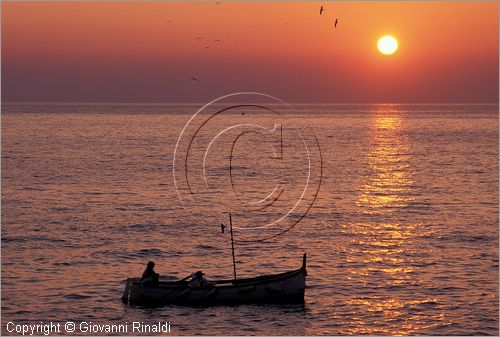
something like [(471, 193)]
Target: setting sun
[(387, 45)]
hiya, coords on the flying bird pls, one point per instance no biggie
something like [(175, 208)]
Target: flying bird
[(321, 10), (217, 40), (336, 22), (199, 38), (194, 78)]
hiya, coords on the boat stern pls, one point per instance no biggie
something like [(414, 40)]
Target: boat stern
[(131, 284)]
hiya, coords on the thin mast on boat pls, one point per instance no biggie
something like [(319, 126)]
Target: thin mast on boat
[(232, 241), (231, 218)]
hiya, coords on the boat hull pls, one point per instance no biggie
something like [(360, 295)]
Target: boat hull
[(286, 287)]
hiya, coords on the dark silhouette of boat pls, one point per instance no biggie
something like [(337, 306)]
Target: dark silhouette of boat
[(287, 287)]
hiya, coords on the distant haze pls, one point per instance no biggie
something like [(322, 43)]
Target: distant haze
[(149, 52)]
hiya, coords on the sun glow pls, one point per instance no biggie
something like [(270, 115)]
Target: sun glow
[(387, 45)]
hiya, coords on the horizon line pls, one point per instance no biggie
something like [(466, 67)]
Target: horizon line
[(203, 102)]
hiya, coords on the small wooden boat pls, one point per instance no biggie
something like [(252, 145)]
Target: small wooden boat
[(287, 287)]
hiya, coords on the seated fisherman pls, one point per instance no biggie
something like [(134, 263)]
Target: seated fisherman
[(150, 278), (198, 281)]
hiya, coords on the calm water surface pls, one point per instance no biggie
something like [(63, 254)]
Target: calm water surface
[(402, 239)]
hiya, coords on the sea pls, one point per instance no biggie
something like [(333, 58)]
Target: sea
[(396, 206)]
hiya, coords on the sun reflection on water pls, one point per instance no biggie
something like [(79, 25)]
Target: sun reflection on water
[(390, 177), (382, 252)]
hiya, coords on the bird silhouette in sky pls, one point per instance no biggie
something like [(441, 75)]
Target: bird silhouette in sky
[(217, 40), (199, 38), (194, 78), (321, 10), (336, 22)]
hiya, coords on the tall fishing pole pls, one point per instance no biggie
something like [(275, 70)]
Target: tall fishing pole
[(232, 243), (222, 226)]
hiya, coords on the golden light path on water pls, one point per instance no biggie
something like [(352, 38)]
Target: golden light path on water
[(388, 161), (386, 247)]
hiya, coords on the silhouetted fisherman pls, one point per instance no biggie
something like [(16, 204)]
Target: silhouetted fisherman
[(321, 10), (336, 22), (150, 278), (198, 281)]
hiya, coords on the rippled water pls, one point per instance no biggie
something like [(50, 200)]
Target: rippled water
[(402, 239)]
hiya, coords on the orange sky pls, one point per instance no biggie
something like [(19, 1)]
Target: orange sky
[(129, 52)]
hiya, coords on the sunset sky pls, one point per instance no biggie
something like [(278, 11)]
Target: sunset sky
[(147, 52)]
